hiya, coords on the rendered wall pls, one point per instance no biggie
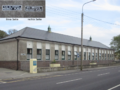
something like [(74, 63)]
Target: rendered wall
[(8, 54), (8, 51)]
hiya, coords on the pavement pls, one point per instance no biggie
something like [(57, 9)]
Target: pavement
[(14, 74)]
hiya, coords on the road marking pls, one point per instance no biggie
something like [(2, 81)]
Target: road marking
[(103, 74), (69, 81), (114, 87), (1, 82)]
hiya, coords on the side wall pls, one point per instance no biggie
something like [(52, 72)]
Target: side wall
[(24, 63), (8, 54)]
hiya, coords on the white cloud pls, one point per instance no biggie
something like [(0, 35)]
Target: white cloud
[(118, 23), (63, 4), (73, 5), (97, 33)]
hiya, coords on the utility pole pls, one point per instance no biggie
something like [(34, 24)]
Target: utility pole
[(81, 40), (81, 66)]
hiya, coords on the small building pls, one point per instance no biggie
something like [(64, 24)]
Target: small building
[(17, 49)]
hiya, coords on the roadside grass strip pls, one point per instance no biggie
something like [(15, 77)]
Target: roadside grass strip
[(69, 81), (114, 87), (103, 74)]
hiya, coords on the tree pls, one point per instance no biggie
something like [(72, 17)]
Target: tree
[(115, 44), (3, 34), (11, 31)]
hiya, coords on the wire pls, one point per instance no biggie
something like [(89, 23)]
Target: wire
[(73, 14), (102, 20)]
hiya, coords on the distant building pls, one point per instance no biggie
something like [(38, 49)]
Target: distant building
[(17, 49)]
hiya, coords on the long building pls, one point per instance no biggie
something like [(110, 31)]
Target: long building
[(46, 46)]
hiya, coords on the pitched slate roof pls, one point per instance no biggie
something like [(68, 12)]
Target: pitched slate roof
[(45, 35)]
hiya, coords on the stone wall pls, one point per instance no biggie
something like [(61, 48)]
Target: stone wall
[(24, 65)]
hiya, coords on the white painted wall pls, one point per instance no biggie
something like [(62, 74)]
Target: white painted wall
[(79, 49), (39, 46), (56, 47), (29, 44), (75, 49), (63, 47), (69, 48), (47, 46)]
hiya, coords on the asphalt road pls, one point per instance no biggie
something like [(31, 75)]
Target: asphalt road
[(95, 79)]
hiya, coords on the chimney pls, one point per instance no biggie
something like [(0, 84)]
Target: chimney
[(49, 29), (90, 38)]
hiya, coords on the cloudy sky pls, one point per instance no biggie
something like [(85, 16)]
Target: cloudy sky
[(64, 16)]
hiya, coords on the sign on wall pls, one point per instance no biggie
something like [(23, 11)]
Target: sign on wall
[(22, 8)]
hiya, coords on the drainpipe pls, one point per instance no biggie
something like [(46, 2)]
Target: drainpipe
[(17, 52), (73, 55)]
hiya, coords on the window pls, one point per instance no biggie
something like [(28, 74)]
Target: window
[(102, 56), (47, 54), (75, 55), (108, 56), (89, 55), (105, 56), (29, 53), (39, 54), (112, 56), (84, 55), (69, 55), (63, 55), (99, 56), (56, 54), (96, 56), (92, 56), (80, 55)]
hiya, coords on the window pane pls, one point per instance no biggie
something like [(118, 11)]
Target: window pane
[(75, 53), (84, 55), (29, 51), (63, 57), (69, 52), (39, 57), (39, 51), (69, 57), (56, 57), (56, 52), (63, 52), (47, 57), (47, 52), (29, 56), (89, 55)]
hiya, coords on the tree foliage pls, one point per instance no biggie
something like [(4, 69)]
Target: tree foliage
[(11, 31), (115, 44), (3, 34)]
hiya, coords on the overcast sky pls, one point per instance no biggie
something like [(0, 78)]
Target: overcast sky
[(64, 16)]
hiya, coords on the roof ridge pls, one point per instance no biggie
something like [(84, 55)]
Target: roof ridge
[(24, 31), (56, 33), (65, 35)]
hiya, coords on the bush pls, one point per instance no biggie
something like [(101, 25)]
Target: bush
[(53, 61)]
